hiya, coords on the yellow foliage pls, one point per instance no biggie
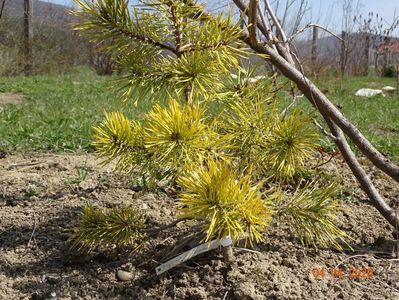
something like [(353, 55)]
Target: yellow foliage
[(290, 143), (177, 135), (229, 204)]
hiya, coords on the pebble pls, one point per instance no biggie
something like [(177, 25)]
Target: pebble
[(19, 250), (124, 276), (368, 240)]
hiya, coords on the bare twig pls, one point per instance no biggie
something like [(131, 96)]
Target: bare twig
[(23, 165), (276, 23), (334, 154), (320, 101), (34, 229), (268, 33), (291, 38), (323, 130), (246, 250), (291, 105)]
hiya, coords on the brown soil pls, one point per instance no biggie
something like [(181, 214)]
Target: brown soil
[(40, 198), (10, 98)]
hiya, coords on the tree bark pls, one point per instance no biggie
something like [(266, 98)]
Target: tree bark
[(344, 54), (314, 50), (228, 255), (366, 54), (28, 39)]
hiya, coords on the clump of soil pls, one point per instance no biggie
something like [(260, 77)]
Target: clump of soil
[(41, 197), (10, 98)]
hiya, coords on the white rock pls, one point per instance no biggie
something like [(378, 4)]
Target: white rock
[(124, 275), (388, 90), (368, 93), (255, 79), (251, 80)]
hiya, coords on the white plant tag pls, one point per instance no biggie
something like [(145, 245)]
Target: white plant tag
[(224, 242)]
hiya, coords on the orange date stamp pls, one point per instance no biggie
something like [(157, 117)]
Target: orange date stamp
[(354, 273)]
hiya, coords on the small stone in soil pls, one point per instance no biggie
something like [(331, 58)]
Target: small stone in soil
[(3, 154), (124, 276)]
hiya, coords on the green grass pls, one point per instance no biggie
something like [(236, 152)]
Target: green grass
[(377, 117), (58, 111)]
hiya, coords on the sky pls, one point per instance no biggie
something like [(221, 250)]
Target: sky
[(328, 12)]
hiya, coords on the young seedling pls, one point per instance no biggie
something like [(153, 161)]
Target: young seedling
[(219, 136)]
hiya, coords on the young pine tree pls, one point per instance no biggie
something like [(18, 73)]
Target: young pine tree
[(214, 130)]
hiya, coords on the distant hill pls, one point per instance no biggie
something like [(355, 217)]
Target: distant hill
[(42, 11), (330, 46)]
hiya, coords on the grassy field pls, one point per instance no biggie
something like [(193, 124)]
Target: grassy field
[(58, 112), (377, 117)]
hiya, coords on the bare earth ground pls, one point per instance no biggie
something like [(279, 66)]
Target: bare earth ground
[(40, 198), (10, 98)]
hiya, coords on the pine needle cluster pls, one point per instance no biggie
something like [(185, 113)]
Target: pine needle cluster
[(177, 135), (101, 228), (229, 204), (173, 50), (311, 211), (291, 141), (119, 138)]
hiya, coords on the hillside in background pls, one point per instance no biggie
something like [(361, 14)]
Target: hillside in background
[(56, 46), (41, 9)]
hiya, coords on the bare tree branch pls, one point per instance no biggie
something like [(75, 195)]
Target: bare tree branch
[(329, 112), (314, 25), (275, 21), (253, 18), (338, 125), (366, 184)]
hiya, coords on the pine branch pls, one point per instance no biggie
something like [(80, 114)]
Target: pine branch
[(114, 20), (101, 228), (311, 211)]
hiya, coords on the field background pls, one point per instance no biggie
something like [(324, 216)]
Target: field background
[(58, 111)]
